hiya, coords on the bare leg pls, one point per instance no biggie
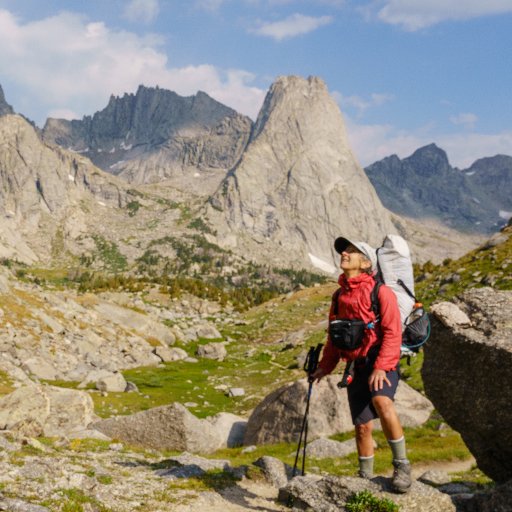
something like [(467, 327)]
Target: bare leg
[(388, 418), (401, 481), (364, 439)]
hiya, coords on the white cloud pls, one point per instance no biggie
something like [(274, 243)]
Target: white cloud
[(361, 104), (464, 149), (416, 14), (374, 142), (292, 26), (144, 11), (63, 113), (465, 119), (66, 62), (210, 5), (331, 3)]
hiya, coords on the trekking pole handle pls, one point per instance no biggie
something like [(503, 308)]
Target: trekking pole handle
[(312, 359)]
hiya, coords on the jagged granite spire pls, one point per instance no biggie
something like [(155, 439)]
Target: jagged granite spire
[(5, 108), (298, 185), (156, 135)]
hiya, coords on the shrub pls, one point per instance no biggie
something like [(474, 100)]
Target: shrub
[(365, 501), (133, 207)]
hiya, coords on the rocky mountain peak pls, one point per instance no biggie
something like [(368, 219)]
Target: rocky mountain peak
[(429, 160), (155, 135), (424, 185), (286, 92), (5, 108), (298, 185), (494, 164)]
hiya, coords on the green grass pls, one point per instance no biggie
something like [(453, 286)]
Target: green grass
[(133, 207), (215, 479), (365, 501), (184, 382), (73, 500), (6, 384), (474, 476), (425, 443), (109, 254), (491, 266), (265, 368), (411, 373), (88, 445)]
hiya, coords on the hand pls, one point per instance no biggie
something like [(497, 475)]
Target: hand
[(317, 375), (377, 379)]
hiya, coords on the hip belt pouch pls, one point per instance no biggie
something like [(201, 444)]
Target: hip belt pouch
[(347, 334)]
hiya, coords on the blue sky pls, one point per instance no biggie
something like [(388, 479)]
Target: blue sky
[(404, 72)]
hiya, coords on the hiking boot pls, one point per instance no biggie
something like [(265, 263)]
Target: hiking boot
[(364, 474), (401, 481)]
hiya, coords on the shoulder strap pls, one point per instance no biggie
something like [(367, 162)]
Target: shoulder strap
[(335, 297), (374, 296)]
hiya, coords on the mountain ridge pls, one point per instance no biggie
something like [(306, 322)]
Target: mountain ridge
[(292, 188), (156, 135), (425, 185)]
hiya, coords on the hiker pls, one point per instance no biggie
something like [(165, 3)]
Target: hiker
[(372, 356)]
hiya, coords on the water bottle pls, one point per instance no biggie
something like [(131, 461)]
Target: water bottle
[(417, 312)]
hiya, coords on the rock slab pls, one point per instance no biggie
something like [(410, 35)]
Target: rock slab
[(330, 494), (59, 411), (170, 427), (467, 375), (278, 418)]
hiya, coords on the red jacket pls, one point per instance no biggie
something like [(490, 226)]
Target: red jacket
[(354, 301)]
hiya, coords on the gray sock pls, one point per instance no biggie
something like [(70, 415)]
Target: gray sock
[(366, 465), (398, 448)]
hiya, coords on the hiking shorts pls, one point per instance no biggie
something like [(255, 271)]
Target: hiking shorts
[(359, 394)]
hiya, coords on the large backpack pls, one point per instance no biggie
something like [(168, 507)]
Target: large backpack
[(394, 269)]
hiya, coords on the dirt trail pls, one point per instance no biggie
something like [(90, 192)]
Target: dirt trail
[(450, 467)]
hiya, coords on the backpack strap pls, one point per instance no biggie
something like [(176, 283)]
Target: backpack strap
[(374, 297), (335, 297), (404, 286)]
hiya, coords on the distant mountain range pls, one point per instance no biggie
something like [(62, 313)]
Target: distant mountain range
[(278, 190), (425, 185), (156, 135)]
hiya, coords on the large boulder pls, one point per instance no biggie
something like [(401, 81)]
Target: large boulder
[(230, 429), (412, 407), (70, 411), (216, 351), (497, 499), (112, 383), (278, 418), (467, 374), (59, 411), (40, 368), (170, 427), (330, 494)]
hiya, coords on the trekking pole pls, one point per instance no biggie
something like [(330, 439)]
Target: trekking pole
[(310, 366)]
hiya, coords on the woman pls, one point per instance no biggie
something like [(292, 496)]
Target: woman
[(374, 354)]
